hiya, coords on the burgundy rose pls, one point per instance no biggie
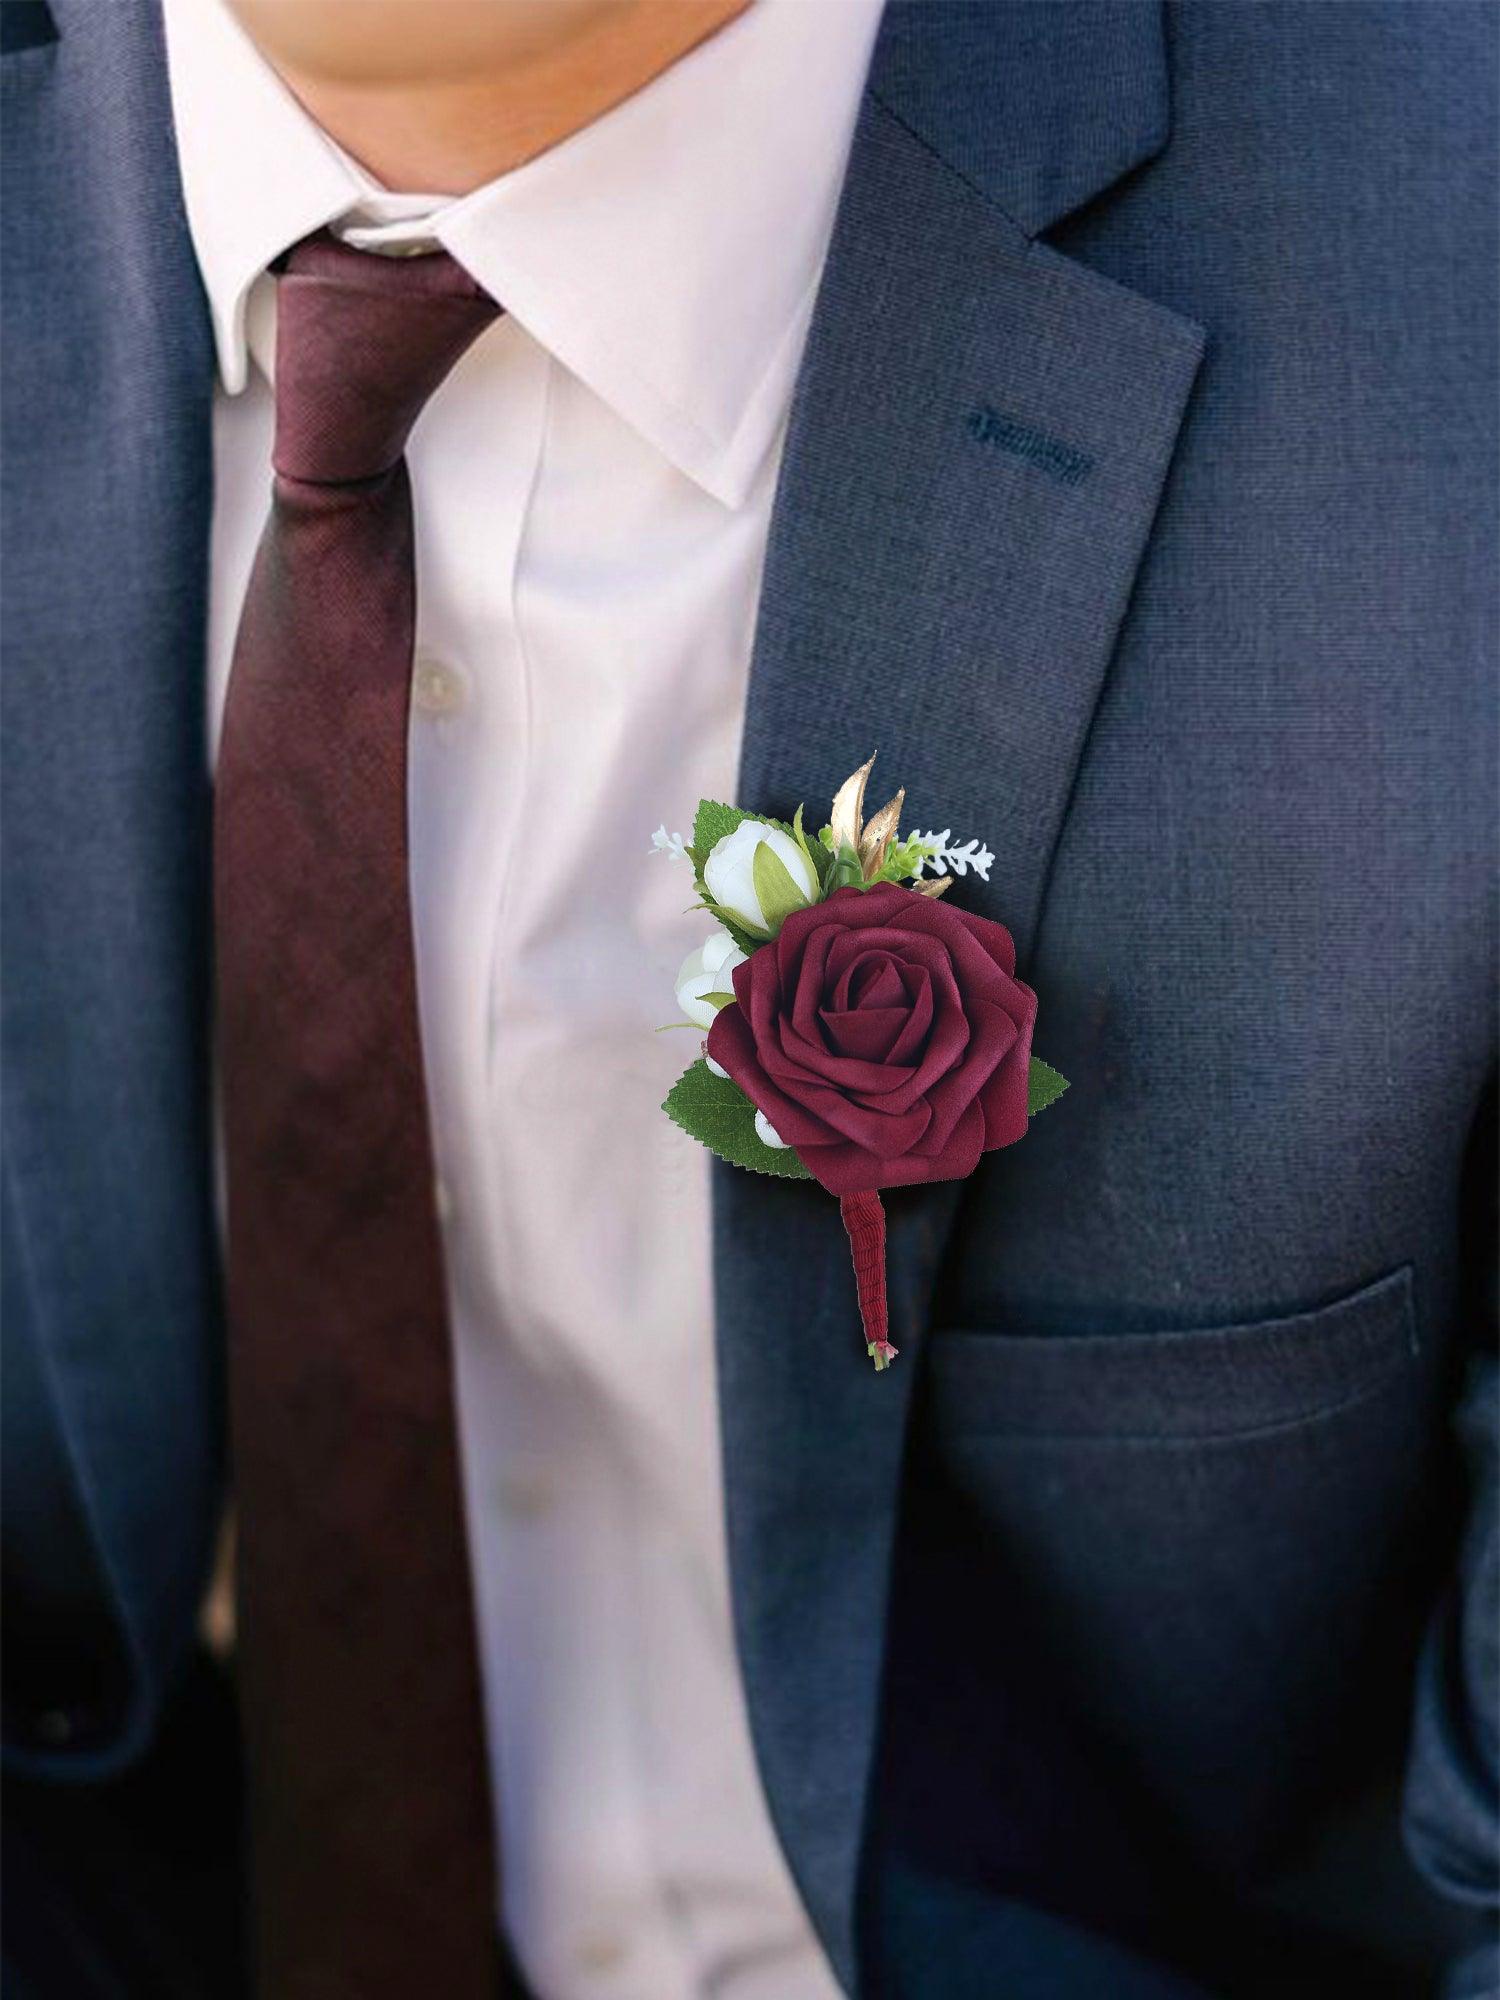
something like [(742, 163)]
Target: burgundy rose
[(885, 1036)]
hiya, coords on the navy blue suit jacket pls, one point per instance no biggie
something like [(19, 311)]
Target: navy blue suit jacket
[(1140, 488)]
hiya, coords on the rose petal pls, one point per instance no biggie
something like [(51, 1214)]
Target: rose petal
[(1004, 1097), (731, 1044), (811, 980), (913, 1038), (786, 1060), (870, 1033), (877, 982), (946, 1040), (885, 1135), (851, 1169), (944, 920), (908, 948), (991, 1034)]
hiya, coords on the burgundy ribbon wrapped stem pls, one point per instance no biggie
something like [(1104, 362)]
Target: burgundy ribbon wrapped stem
[(864, 1221)]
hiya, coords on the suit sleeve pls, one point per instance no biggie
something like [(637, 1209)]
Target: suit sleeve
[(1452, 1807)]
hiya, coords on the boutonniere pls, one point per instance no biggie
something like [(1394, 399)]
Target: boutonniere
[(862, 1032)]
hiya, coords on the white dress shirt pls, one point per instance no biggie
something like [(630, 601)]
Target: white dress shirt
[(593, 488)]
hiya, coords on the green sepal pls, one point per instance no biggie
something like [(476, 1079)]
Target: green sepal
[(817, 856), (775, 890), (718, 1001), (846, 872), (716, 1112), (1043, 1086), (902, 860)]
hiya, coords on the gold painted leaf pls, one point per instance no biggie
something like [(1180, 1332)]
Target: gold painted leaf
[(847, 817), (880, 831), (935, 885)]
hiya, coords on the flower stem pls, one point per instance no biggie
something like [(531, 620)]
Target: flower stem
[(864, 1222)]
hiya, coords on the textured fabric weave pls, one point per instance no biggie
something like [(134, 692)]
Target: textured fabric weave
[(1240, 769), (369, 1805)]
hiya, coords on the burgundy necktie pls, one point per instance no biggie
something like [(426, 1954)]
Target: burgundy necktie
[(370, 1812)]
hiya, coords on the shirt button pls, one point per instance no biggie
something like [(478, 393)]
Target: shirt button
[(56, 1728), (526, 1496), (602, 1951), (437, 687)]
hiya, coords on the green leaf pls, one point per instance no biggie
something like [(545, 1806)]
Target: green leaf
[(711, 825), (775, 890), (1043, 1086), (718, 1001), (745, 935), (716, 1112)]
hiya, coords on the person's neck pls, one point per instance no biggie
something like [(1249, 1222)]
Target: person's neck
[(450, 134)]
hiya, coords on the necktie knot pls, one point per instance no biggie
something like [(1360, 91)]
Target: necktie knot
[(362, 341)]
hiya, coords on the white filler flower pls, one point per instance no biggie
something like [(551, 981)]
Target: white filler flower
[(708, 970), (943, 857), (729, 872), (768, 1134), (670, 844)]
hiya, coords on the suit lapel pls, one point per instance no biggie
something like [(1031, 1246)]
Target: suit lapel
[(978, 445), (108, 382)]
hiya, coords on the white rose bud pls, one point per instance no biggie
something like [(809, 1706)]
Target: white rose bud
[(708, 970), (729, 872)]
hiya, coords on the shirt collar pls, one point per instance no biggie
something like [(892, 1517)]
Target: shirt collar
[(668, 254)]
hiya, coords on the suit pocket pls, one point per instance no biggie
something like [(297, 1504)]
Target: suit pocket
[(1205, 1533), (1219, 1382)]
